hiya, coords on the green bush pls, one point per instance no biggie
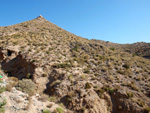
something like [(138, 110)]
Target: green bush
[(109, 90), (100, 92), (62, 65), (76, 48), (2, 104), (88, 85), (2, 89), (52, 99), (46, 111), (134, 54), (26, 85), (60, 110), (112, 48), (129, 94), (86, 71)]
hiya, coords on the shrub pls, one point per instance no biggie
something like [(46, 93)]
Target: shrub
[(129, 94), (100, 92), (76, 48), (26, 85), (25, 25), (86, 71), (9, 87), (109, 90), (121, 72), (120, 107), (2, 89), (2, 104), (102, 57), (88, 85), (1, 81), (70, 76), (44, 98), (104, 69), (67, 100), (52, 99), (112, 48), (147, 110), (46, 111), (71, 94), (140, 103), (13, 81), (28, 76), (60, 110), (49, 105), (83, 76), (62, 105), (63, 65), (16, 29), (134, 54)]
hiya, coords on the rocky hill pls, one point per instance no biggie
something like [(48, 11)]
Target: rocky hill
[(139, 48), (77, 74)]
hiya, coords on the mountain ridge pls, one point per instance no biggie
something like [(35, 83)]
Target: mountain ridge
[(137, 48), (85, 75)]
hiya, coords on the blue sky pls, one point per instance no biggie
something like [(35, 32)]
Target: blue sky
[(119, 21)]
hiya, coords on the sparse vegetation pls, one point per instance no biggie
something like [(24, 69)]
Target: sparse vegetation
[(63, 65), (44, 97), (112, 48), (52, 99), (129, 94), (74, 71), (60, 110), (26, 85), (46, 111), (2, 89), (88, 85), (2, 104), (12, 83)]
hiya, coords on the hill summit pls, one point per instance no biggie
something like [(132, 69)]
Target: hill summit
[(82, 75)]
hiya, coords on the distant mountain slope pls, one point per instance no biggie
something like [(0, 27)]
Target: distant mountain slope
[(85, 75), (139, 48)]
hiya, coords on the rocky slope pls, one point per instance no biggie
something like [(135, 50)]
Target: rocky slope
[(84, 75), (139, 48)]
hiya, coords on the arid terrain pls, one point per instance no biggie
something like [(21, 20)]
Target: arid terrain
[(49, 70)]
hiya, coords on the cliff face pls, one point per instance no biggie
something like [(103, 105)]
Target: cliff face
[(84, 75)]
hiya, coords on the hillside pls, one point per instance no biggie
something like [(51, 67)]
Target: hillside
[(139, 48), (81, 75)]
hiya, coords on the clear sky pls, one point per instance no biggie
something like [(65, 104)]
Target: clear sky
[(120, 21)]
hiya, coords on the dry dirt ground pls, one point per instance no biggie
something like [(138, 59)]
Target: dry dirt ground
[(19, 102)]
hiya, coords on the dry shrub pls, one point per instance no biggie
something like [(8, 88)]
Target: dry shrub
[(26, 85), (9, 87), (12, 82), (49, 105), (44, 97), (13, 79)]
